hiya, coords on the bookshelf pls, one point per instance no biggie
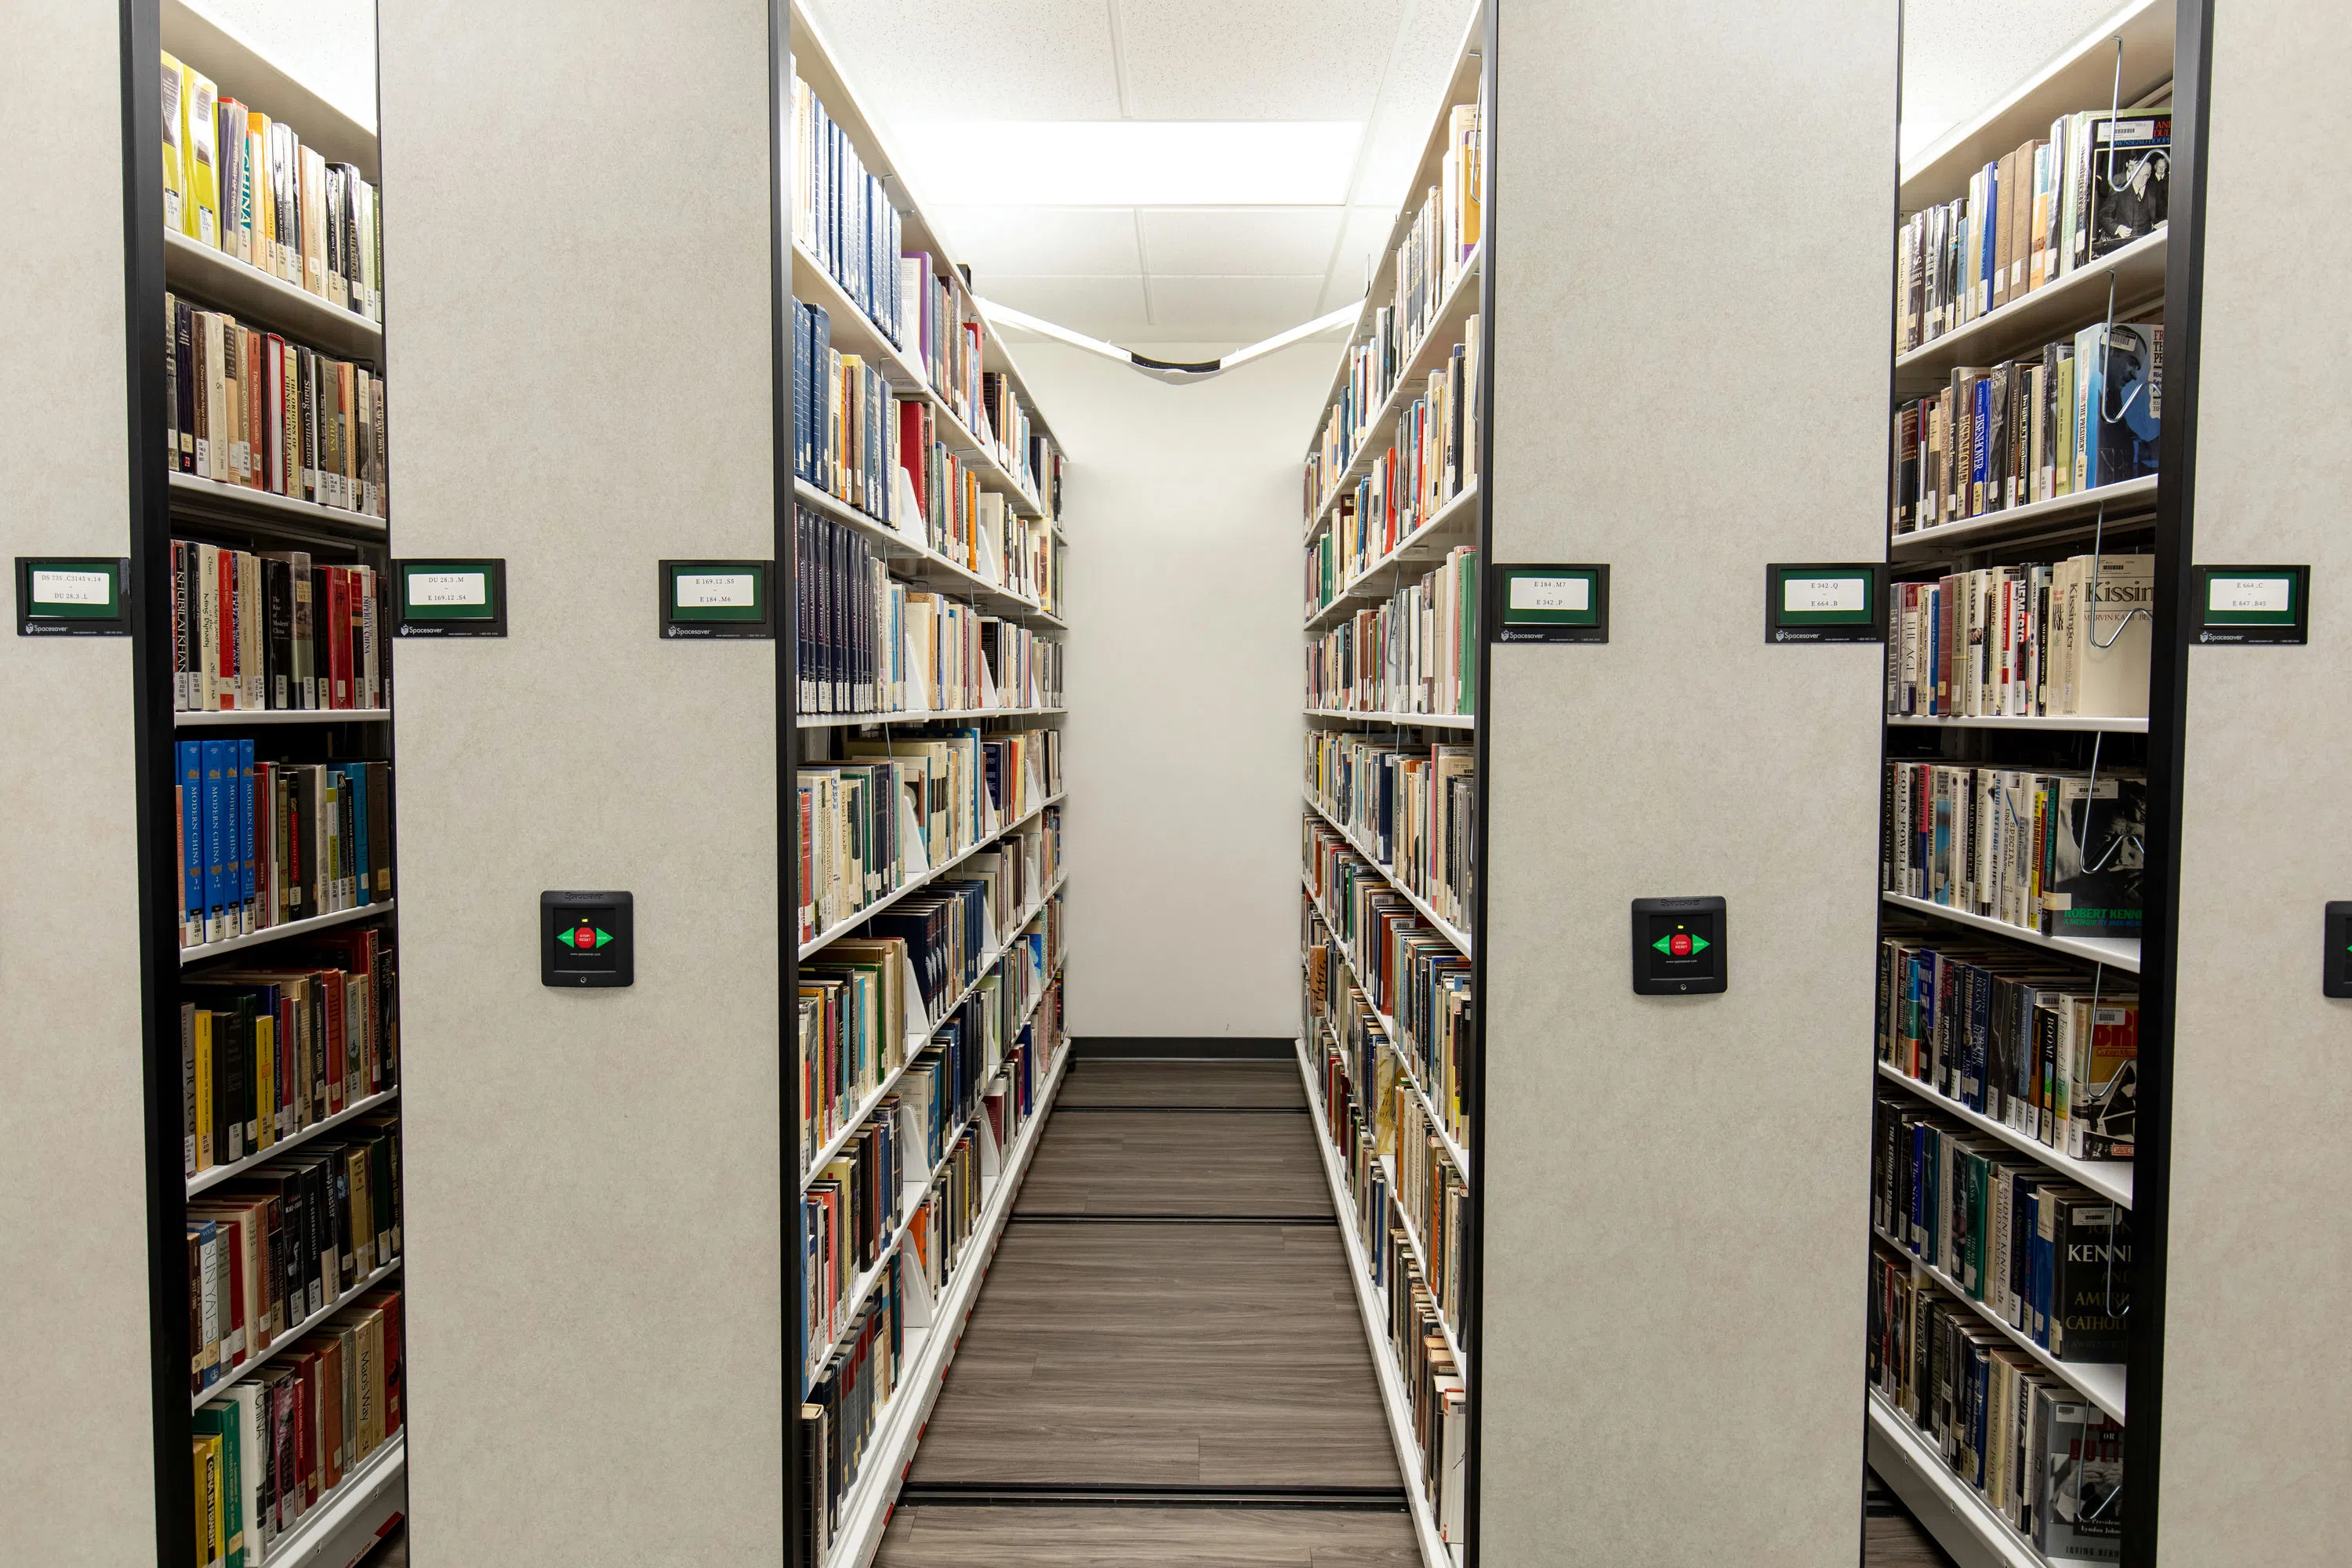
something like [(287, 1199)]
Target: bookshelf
[(363, 1109), (1428, 337), (2127, 61), (852, 1529)]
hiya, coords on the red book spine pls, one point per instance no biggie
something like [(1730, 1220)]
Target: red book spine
[(226, 571), (339, 638)]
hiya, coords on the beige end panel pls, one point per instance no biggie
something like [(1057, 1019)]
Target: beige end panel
[(1694, 209), (77, 1451), (1183, 690), (577, 257), (2258, 1364)]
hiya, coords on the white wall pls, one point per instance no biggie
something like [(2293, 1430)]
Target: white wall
[(1181, 831)]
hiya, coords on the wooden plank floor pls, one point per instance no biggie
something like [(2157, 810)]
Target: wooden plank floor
[(1196, 1162), (1132, 1537), (1160, 1083)]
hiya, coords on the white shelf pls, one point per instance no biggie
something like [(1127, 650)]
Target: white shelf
[(1432, 720), (1960, 1518), (1446, 927), (2081, 76), (214, 1175), (261, 1358), (866, 1507), (215, 278), (2101, 1383), (916, 1043), (921, 716), (1002, 601), (1436, 346), (242, 717), (817, 942), (1459, 514), (2110, 1179), (2116, 952), (1454, 1151), (2071, 301), (1434, 1552), (2065, 723), (204, 951), (192, 493), (349, 1520), (2057, 516)]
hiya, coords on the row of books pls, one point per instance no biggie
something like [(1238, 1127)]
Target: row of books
[(869, 643), (262, 844), (276, 630), (2047, 208), (1412, 808), (2074, 417), (859, 441), (1417, 980), (1429, 260), (2041, 1456), (2066, 638), (851, 1388), (271, 1451), (2047, 1258), (849, 1216), (268, 1051), (2056, 853), (271, 1250), (1433, 458), (1436, 1386), (243, 184), (843, 216), (1417, 652), (2034, 1047), (888, 810), (972, 526), (243, 405)]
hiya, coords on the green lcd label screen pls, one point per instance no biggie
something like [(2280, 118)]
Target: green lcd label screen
[(1835, 599), (2244, 599), (72, 595), (452, 598), (1551, 604), (1824, 601), (717, 599)]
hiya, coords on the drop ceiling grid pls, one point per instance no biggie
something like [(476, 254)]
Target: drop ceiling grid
[(1208, 274)]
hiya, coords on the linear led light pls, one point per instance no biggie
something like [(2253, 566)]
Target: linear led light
[(1173, 372), (1134, 162)]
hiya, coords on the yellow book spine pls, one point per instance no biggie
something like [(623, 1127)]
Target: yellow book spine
[(200, 172), (174, 124), (259, 230), (264, 1081), (205, 1158), (210, 1547)]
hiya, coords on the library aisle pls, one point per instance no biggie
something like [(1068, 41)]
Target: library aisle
[(1164, 1365)]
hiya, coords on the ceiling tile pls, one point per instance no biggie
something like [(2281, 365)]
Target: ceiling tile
[(1235, 241), (1106, 308), (1246, 309), (974, 60), (1253, 60), (1041, 242)]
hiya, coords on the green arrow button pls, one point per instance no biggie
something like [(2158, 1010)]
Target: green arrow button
[(1699, 944), (1661, 945), (602, 937)]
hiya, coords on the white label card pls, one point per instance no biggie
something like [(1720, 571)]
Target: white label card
[(1816, 595), (72, 587), (728, 591), (2245, 595), (449, 588), (1551, 594)]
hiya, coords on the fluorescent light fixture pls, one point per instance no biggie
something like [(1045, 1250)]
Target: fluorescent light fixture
[(1174, 373), (1134, 162)]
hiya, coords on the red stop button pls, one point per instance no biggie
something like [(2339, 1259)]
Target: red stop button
[(1680, 946)]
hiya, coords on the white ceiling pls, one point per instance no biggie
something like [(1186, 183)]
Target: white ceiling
[(1961, 55), (1221, 276)]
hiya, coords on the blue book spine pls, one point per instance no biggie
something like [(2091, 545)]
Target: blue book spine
[(1979, 1037), (800, 390), (191, 759), (220, 851), (355, 781), (244, 856)]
